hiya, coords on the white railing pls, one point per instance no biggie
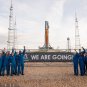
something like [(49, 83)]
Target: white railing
[(42, 50)]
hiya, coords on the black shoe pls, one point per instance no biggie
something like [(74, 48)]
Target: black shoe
[(14, 73), (82, 74), (76, 74), (2, 74), (22, 74), (17, 74), (11, 74), (7, 74)]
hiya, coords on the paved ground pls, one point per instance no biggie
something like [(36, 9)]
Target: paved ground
[(45, 75)]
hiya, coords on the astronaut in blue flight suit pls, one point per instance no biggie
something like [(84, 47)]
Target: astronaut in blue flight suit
[(85, 61), (3, 62), (0, 63), (18, 63), (83, 53), (15, 64), (8, 62), (75, 63), (21, 57), (14, 68), (12, 61), (82, 64)]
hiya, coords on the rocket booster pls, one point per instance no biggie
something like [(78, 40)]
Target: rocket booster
[(46, 34)]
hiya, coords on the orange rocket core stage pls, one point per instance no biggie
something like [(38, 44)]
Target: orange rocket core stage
[(46, 37), (46, 34)]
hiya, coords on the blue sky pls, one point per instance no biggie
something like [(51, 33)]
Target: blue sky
[(31, 14)]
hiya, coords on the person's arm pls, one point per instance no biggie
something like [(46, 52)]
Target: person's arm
[(24, 51), (83, 50), (12, 50), (75, 51)]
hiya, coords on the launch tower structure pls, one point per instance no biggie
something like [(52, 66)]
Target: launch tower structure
[(77, 36), (11, 30)]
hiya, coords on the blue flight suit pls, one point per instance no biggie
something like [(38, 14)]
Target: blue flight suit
[(82, 65), (3, 63), (0, 63), (21, 56), (8, 64), (21, 59), (13, 50), (14, 69), (12, 62), (15, 55), (18, 64), (75, 62), (85, 61)]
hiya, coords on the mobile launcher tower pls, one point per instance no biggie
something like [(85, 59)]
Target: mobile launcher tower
[(46, 46), (77, 36), (11, 30)]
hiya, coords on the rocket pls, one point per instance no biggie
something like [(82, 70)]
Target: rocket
[(46, 34)]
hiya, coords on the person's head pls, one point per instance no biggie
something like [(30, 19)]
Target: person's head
[(6, 53), (17, 53), (79, 50), (81, 54), (24, 47), (3, 52), (12, 54), (20, 52), (85, 54), (0, 54)]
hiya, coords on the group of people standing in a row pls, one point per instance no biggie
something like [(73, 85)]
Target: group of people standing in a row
[(12, 63), (80, 59)]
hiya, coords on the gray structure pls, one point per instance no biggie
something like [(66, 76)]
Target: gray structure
[(11, 30), (68, 45), (77, 36)]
